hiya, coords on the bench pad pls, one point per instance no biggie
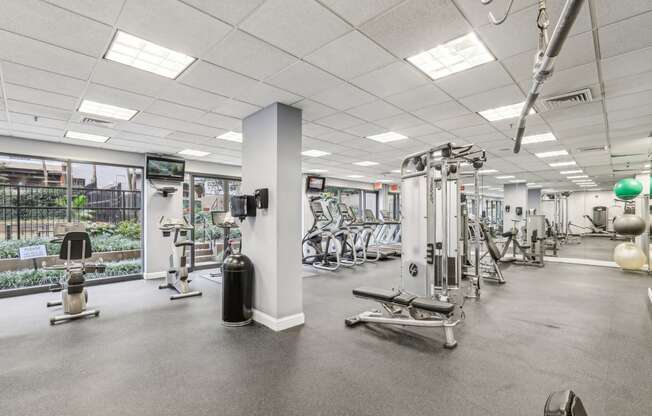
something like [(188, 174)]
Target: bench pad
[(432, 305), (375, 293)]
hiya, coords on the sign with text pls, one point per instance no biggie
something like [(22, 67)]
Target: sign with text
[(32, 252)]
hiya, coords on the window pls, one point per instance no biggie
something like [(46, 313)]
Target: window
[(37, 194)]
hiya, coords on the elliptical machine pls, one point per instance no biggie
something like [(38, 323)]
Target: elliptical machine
[(177, 274), (75, 245)]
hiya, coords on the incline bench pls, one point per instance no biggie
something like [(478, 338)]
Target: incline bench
[(408, 310)]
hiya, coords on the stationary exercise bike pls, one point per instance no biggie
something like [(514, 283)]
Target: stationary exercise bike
[(75, 245), (177, 274)]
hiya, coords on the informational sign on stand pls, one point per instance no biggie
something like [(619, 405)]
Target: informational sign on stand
[(32, 252)]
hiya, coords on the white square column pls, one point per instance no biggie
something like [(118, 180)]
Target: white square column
[(271, 158)]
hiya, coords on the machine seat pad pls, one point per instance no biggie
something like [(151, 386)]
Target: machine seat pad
[(432, 305), (184, 244), (404, 299), (507, 234), (375, 293)]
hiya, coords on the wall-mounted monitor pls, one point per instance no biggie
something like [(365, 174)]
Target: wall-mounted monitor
[(165, 169), (315, 184)]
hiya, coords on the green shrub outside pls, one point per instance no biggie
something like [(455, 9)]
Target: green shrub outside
[(28, 278)]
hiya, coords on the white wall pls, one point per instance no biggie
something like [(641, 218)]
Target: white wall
[(157, 249), (515, 196), (64, 151)]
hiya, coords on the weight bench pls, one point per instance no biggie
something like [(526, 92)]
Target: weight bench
[(494, 253), (564, 403), (405, 309)]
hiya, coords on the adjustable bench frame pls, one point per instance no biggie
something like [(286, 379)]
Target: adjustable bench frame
[(407, 315)]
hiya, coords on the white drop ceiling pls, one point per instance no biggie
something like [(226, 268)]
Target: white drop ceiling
[(343, 63)]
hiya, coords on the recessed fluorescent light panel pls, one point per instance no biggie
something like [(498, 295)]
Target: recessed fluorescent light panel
[(559, 164), (86, 136), (577, 177), (317, 170), (396, 171), (355, 176), (390, 136), (366, 163), (232, 136), (554, 153), (315, 153), (106, 110), (191, 152), (518, 181), (384, 180), (539, 138), (570, 172), (139, 53), (505, 177), (457, 55), (533, 185), (487, 171), (504, 112)]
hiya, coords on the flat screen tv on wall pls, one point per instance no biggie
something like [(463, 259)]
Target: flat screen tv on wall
[(165, 169), (315, 184)]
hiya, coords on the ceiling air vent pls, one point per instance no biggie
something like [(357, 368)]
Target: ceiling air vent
[(565, 100), (586, 149), (97, 122)]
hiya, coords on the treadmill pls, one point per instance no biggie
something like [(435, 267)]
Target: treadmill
[(390, 233), (376, 243)]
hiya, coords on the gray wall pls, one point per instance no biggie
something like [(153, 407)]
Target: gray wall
[(533, 198)]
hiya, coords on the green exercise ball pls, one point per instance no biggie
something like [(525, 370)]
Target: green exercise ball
[(629, 256), (628, 188), (629, 224)]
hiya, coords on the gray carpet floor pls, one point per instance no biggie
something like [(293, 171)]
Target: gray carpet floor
[(563, 326)]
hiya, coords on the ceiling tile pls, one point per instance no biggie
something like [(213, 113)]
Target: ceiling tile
[(418, 130), (172, 24), (41, 55), (303, 79), (168, 109), (475, 80), (340, 121), (578, 50), (232, 11), (105, 11), (461, 122), (218, 80), (478, 15), (626, 36), (343, 97), (39, 121), (114, 74), (365, 130), (568, 80), (243, 53), (613, 11), (628, 85), (221, 121), (33, 96), (359, 11), (400, 121), (48, 81), (38, 110), (374, 111), (349, 56), (193, 97), (502, 42), (627, 64), (417, 25), (141, 129), (419, 97), (624, 102), (297, 26), (339, 137), (263, 95), (34, 18), (113, 96), (234, 108), (498, 97), (311, 110), (437, 112), (392, 79)]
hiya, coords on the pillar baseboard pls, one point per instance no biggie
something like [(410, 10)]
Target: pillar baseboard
[(155, 275), (279, 324)]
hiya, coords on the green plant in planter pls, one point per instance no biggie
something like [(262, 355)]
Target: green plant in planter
[(129, 229)]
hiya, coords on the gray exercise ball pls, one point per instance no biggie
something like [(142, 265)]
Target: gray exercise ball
[(629, 224)]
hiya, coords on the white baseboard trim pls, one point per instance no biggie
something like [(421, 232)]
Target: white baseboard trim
[(584, 262), (279, 324), (155, 275)]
